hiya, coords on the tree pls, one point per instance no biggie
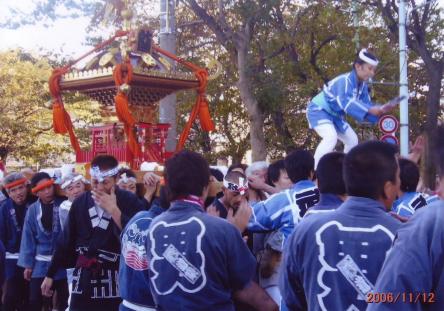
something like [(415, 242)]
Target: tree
[(425, 37), (25, 112), (235, 33), (276, 54)]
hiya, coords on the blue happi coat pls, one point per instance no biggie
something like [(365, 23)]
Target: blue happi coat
[(431, 198), (414, 269), (37, 245), (11, 234), (409, 203), (328, 202), (2, 262), (133, 271), (332, 260), (196, 260), (344, 95), (283, 210)]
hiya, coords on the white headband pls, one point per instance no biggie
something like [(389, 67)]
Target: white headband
[(241, 188), (125, 179), (72, 180), (96, 173), (367, 59)]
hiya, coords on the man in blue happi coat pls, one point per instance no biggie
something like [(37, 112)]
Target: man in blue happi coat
[(413, 273), (332, 260), (40, 232), (133, 267), (409, 200), (282, 211), (234, 191), (197, 261), (345, 95), (330, 182), (12, 211)]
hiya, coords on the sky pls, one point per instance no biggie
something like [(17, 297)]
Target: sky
[(65, 35)]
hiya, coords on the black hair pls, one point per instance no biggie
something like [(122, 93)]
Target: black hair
[(359, 61), (217, 174), (368, 166), (104, 162), (299, 165), (13, 176), (274, 171), (163, 197), (409, 175), (186, 173), (39, 177), (234, 176), (440, 144), (238, 165), (441, 164), (329, 173)]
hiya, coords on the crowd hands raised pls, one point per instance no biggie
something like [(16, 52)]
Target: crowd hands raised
[(259, 237)]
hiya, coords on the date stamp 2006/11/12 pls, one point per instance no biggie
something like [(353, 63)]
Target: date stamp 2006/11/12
[(418, 297)]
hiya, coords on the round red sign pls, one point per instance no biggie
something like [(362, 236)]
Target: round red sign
[(388, 124), (389, 138)]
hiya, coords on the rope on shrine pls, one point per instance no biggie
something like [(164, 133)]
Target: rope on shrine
[(200, 108), (61, 119), (123, 74)]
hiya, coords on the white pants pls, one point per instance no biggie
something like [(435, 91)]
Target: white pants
[(330, 136)]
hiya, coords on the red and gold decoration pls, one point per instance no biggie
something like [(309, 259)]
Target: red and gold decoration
[(128, 76)]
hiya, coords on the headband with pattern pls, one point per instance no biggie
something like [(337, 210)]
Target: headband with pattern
[(72, 180), (125, 179), (241, 188), (96, 173), (368, 60)]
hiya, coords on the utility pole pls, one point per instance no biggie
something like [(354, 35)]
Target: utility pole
[(403, 82), (167, 40), (356, 24)]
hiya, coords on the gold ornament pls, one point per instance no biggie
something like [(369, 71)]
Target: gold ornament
[(106, 59), (125, 88), (149, 60), (91, 63), (165, 63)]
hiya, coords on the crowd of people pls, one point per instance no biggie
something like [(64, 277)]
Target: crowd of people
[(357, 233), (329, 231)]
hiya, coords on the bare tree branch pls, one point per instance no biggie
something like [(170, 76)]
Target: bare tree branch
[(190, 24), (223, 34)]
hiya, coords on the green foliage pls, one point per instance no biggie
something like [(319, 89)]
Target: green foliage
[(25, 115), (296, 47), (294, 51)]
